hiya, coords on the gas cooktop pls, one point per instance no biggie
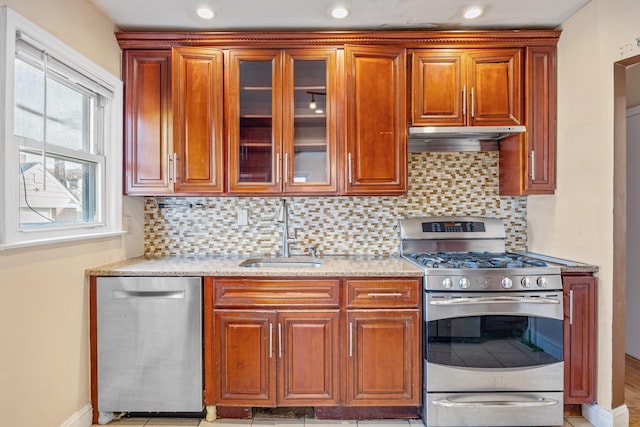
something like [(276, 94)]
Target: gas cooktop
[(475, 260)]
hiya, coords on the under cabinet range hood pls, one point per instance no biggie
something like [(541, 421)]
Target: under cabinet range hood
[(459, 138)]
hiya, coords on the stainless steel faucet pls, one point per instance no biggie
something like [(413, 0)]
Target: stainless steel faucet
[(283, 217)]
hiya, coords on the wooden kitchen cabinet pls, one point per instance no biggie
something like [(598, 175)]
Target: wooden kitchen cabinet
[(244, 359), (472, 87), (528, 162), (173, 121), (579, 338), (148, 128), (275, 342), (198, 124), (376, 146), (383, 361), (279, 141)]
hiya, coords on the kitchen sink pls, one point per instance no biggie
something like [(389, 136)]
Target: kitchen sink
[(293, 262)]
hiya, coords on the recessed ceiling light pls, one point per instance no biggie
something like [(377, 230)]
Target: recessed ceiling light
[(473, 12), (205, 13), (340, 12)]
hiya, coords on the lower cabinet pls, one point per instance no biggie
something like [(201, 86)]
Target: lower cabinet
[(579, 338), (329, 343), (383, 350), (383, 366), (277, 358)]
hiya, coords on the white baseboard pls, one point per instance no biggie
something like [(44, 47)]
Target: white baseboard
[(602, 417), (82, 418)]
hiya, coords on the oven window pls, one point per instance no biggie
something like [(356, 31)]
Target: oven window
[(493, 341)]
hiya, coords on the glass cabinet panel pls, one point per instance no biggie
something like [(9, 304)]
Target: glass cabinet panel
[(256, 122), (310, 121), (281, 111), (309, 142)]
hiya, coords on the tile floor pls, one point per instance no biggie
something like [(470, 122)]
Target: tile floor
[(288, 422)]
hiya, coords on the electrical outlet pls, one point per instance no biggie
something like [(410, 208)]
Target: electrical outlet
[(243, 216), (128, 223)]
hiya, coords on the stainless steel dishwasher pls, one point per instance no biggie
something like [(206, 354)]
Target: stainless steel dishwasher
[(149, 339)]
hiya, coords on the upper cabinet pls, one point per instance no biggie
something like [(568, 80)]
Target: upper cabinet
[(173, 121), (263, 113), (528, 161), (197, 120), (281, 121), (376, 149), (148, 141), (473, 87)]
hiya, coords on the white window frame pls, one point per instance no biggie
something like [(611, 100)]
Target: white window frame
[(109, 174)]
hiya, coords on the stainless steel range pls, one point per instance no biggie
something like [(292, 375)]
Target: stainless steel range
[(492, 336)]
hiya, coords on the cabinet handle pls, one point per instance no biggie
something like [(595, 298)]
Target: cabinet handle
[(533, 165), (280, 340), (350, 339), (270, 340), (385, 294), (285, 167), (349, 170), (278, 168), (171, 174), (175, 167), (472, 104), (571, 307), (464, 100)]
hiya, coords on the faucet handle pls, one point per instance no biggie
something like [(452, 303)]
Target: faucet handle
[(313, 251)]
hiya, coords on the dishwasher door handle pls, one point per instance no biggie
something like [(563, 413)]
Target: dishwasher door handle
[(120, 294)]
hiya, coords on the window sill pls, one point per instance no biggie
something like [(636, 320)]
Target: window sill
[(56, 240)]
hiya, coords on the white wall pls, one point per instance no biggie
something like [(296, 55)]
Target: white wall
[(577, 222), (44, 354), (632, 342)]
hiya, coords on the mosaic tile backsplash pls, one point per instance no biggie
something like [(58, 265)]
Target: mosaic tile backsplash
[(455, 183)]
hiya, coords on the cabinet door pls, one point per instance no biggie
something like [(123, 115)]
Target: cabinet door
[(541, 120), (254, 111), (308, 358), (438, 88), (383, 360), (147, 91), (495, 87), (310, 131), (376, 156), (579, 339), (527, 162), (245, 357), (198, 113)]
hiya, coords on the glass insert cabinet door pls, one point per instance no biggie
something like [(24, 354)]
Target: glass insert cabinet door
[(282, 111)]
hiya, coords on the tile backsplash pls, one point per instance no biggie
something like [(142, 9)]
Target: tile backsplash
[(455, 183)]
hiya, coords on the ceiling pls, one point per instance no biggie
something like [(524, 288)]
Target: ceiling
[(133, 15)]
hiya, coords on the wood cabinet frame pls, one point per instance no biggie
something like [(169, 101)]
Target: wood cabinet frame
[(579, 338), (520, 173)]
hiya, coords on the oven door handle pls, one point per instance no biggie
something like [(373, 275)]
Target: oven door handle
[(449, 403), (495, 300)]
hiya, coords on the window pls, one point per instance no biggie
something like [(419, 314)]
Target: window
[(61, 148)]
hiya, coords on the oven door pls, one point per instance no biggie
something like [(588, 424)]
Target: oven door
[(488, 342), (493, 359)]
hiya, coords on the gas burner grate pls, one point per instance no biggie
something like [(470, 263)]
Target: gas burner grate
[(475, 260)]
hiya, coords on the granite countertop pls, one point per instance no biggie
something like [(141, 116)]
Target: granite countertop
[(352, 266), (566, 266)]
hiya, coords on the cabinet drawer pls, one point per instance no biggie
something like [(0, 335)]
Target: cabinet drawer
[(383, 293), (276, 292)]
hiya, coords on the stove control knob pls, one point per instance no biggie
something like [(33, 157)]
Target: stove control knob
[(525, 282), (506, 283), (542, 282), (464, 283), (447, 283)]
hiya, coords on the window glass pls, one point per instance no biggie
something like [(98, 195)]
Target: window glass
[(62, 192)]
